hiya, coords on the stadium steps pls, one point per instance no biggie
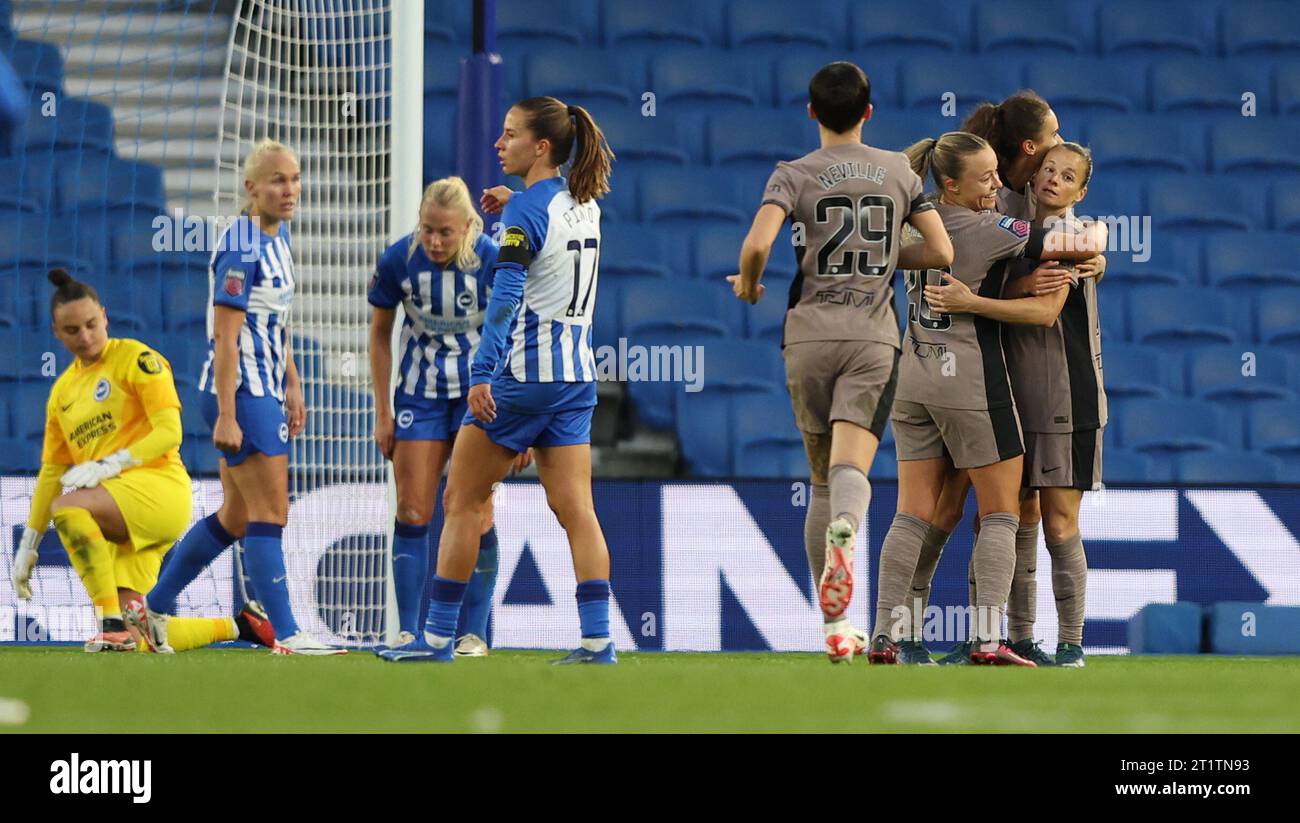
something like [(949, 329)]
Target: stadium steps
[(647, 454)]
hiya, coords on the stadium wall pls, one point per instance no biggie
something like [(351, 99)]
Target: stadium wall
[(720, 566)]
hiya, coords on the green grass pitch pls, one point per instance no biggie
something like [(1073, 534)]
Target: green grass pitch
[(245, 690)]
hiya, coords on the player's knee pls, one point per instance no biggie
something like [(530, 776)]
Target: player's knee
[(1029, 510), (1059, 526), (457, 501), (569, 509), (412, 514)]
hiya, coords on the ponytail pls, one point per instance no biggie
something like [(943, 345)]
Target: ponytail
[(589, 176), (944, 157), (66, 289), (1020, 117), (918, 155)]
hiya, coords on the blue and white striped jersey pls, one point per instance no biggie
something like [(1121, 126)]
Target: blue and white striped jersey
[(444, 312), (556, 241), (253, 272)]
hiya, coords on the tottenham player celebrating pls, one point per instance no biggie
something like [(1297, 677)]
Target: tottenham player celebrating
[(113, 433), (253, 399), (441, 275), (841, 334), (954, 405), (532, 382)]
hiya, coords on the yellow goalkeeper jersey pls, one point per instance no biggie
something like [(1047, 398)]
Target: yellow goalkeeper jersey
[(96, 410)]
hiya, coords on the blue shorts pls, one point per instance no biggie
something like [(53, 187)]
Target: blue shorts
[(419, 418), (518, 432), (266, 429)]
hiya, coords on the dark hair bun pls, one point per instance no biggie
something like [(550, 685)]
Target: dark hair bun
[(60, 278)]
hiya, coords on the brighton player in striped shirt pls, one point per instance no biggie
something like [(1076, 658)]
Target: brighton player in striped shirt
[(954, 406), (441, 274), (253, 399), (532, 382)]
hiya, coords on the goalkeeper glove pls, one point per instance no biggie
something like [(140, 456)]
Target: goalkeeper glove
[(91, 474), (24, 562)]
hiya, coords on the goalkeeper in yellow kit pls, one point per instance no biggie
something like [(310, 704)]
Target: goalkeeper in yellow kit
[(113, 433)]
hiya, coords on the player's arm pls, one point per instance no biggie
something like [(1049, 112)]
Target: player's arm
[(755, 251), (381, 369), (1060, 242), (295, 408), (55, 459), (935, 250), (508, 275), (226, 327), (955, 297)]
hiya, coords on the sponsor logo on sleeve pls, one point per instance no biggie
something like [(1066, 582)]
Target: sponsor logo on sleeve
[(233, 281), (1019, 228), (148, 363), (514, 238)]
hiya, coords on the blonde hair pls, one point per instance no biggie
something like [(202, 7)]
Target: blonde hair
[(945, 157), (254, 160), (452, 193)]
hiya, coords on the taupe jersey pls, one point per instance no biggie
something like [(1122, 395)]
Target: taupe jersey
[(850, 201), (1056, 370), (955, 361)]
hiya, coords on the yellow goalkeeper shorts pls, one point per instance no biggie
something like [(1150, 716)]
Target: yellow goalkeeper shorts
[(156, 504)]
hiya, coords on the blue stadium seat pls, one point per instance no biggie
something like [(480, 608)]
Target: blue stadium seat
[(102, 182), (1278, 317), (785, 136), (1253, 259), (703, 427), (1150, 27), (692, 195), (5, 430), (644, 141), (632, 249), (1089, 84), (659, 25), (18, 455), (1269, 28), (678, 306), (941, 26), (28, 183), (1125, 466), (1170, 426), (1204, 203), (38, 65), (765, 442), (81, 125), (1179, 317), (723, 367), (1199, 85), (716, 251), (565, 24), (1287, 78), (448, 22), (1122, 144), (606, 326), (926, 81), (818, 24), (1286, 207), (622, 203), (765, 320), (27, 410), (793, 72), (200, 457), (442, 71), (1132, 371), (185, 306), (703, 81), (586, 77), (1227, 467), (1027, 27), (11, 313), (735, 365), (1221, 374), (1250, 145), (1176, 263), (1274, 428), (896, 133), (27, 252)]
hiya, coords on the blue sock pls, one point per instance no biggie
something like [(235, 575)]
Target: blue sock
[(203, 543), (478, 597), (593, 608), (264, 558), (410, 570), (444, 607)]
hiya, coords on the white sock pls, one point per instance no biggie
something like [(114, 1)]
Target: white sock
[(595, 644)]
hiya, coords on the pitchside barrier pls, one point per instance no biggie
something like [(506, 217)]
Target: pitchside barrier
[(721, 566)]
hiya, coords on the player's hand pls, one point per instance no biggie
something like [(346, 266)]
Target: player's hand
[(24, 562), (226, 435), (90, 474), (495, 199), (1092, 267), (295, 409), (481, 404), (1050, 276), (384, 434), (749, 295), (954, 297), (522, 461)]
